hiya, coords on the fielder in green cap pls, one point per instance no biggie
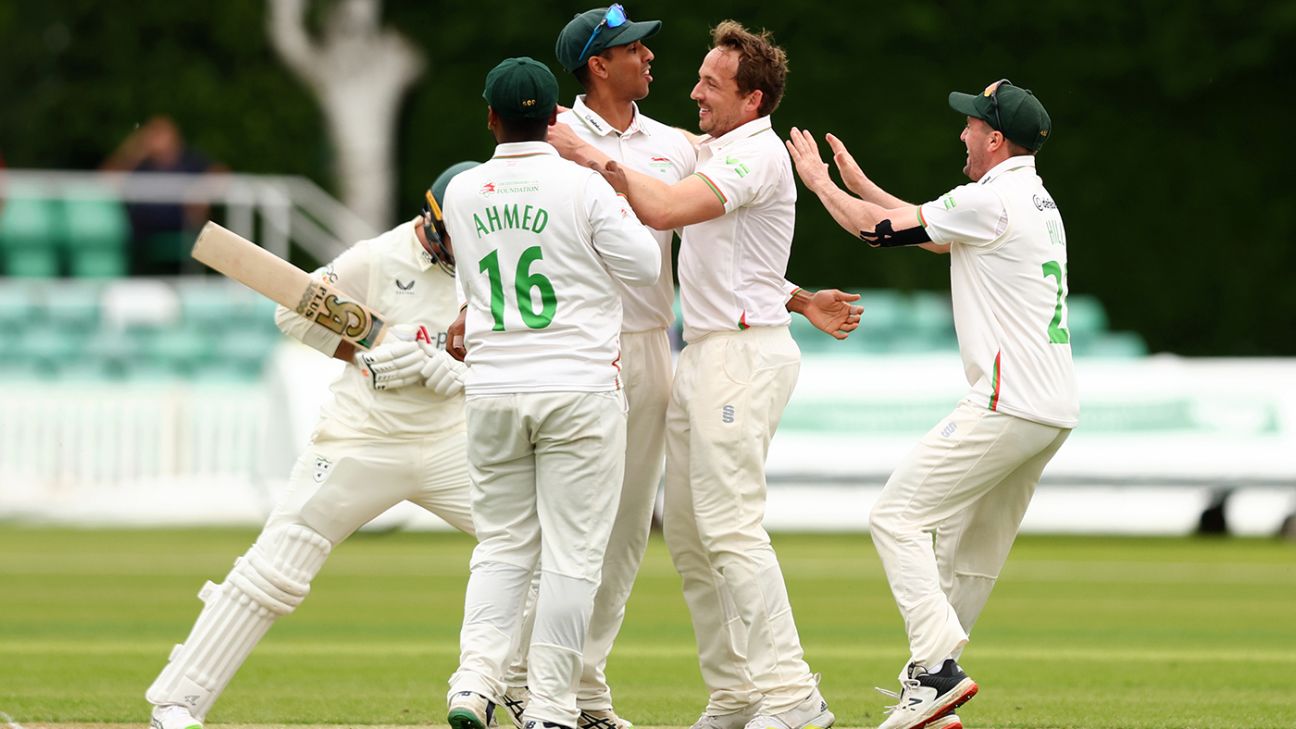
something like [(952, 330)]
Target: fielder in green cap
[(544, 246), (971, 478)]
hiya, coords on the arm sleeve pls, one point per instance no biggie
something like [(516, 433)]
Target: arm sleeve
[(737, 178), (348, 272), (626, 246), (969, 214)]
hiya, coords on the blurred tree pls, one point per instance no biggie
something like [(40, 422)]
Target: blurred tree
[(359, 72)]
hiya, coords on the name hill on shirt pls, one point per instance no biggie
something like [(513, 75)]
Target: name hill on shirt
[(510, 217)]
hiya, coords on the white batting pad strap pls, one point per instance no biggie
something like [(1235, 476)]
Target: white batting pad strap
[(270, 580)]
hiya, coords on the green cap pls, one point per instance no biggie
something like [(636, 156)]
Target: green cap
[(1021, 117), (521, 88), (578, 39), (438, 188)]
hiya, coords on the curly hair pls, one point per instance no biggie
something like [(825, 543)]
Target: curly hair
[(762, 66)]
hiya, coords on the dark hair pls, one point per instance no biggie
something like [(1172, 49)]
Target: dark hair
[(522, 129), (582, 72), (762, 66)]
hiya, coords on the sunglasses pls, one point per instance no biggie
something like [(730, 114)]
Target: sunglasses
[(992, 91), (615, 17)]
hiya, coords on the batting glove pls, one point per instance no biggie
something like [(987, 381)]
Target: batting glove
[(442, 373), (392, 364)]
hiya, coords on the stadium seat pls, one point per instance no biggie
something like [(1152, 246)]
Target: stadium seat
[(1085, 315), (17, 306), (1116, 345), (96, 231), (931, 314), (72, 306), (185, 348), (29, 236), (885, 312), (136, 302)]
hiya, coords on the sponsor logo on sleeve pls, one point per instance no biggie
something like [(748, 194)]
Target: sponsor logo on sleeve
[(1043, 203)]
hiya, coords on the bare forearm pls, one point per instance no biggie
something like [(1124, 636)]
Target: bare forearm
[(851, 213), (870, 192), (650, 199)]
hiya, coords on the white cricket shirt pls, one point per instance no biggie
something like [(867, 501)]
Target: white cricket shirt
[(396, 277), (539, 241), (1008, 283), (650, 147), (731, 268)]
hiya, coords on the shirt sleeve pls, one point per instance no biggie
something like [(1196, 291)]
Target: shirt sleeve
[(737, 177), (970, 214), (626, 246), (349, 273)]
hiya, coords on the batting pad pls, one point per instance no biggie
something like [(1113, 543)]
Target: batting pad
[(270, 580)]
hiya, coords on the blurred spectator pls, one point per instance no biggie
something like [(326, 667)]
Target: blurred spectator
[(163, 233)]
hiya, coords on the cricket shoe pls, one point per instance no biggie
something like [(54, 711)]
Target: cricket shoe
[(925, 697), (173, 716), (736, 720), (470, 710), (949, 721), (601, 719), (812, 713), (516, 699)]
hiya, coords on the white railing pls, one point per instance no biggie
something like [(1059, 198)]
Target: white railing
[(288, 209)]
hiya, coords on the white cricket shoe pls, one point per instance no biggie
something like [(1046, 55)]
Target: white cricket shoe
[(173, 716), (925, 697), (812, 713), (736, 720), (601, 719), (470, 710), (516, 699)]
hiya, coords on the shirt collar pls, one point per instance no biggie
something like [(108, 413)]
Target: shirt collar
[(599, 125), (1021, 161), (422, 258), (523, 149), (750, 129)]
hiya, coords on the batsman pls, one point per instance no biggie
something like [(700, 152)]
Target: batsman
[(393, 431)]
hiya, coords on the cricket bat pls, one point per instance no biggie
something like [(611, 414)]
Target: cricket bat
[(280, 281)]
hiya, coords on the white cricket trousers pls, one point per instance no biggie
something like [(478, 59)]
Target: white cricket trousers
[(339, 483), (966, 485), (546, 474), (729, 393), (646, 374)]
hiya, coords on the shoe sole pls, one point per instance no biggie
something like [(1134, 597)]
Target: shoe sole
[(949, 721), (464, 719), (965, 690)]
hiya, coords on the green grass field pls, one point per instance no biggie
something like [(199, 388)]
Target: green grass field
[(1081, 632)]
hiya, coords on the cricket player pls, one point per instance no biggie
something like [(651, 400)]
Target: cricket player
[(607, 53), (393, 430), (733, 380), (542, 242), (969, 480)]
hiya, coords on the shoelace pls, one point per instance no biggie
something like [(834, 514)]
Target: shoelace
[(900, 703)]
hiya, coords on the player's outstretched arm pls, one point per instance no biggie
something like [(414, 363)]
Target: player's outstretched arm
[(875, 224), (830, 310), (855, 179), (659, 206)]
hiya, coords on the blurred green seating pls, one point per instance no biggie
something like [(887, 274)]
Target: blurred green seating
[(96, 233), (1114, 345), (72, 305), (18, 306), (185, 348), (29, 236), (1085, 315)]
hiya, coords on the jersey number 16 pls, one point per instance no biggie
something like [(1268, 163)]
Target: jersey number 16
[(523, 282)]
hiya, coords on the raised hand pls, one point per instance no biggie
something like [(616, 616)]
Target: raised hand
[(810, 166), (854, 178)]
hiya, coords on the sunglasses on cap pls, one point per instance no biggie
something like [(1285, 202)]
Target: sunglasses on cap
[(615, 17), (992, 91), (436, 235)]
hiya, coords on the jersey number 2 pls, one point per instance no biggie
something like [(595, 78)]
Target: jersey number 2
[(523, 282), (1057, 333)]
